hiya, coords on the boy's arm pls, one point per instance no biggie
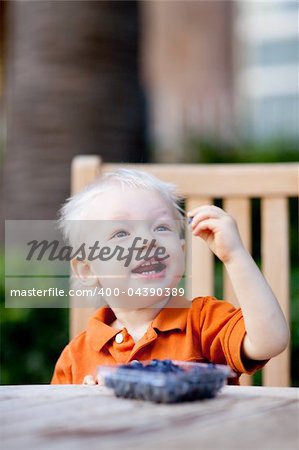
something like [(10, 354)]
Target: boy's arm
[(267, 332)]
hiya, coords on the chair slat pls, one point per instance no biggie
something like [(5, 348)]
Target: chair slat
[(202, 260), (275, 266), (240, 210), (84, 170), (225, 180)]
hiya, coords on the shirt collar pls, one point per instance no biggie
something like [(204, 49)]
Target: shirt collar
[(172, 316), (99, 332)]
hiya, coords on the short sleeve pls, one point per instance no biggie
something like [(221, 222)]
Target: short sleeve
[(222, 331), (63, 369)]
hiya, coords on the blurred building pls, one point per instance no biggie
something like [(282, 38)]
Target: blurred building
[(220, 70), (187, 69), (267, 68)]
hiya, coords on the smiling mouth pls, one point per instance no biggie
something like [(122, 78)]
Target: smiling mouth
[(150, 267)]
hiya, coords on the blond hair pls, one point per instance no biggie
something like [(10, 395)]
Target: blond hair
[(76, 206)]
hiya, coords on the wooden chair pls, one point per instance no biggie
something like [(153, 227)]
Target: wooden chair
[(236, 185)]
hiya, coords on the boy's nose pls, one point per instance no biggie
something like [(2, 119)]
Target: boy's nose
[(147, 242), (145, 236)]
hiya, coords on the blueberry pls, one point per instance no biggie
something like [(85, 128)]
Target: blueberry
[(136, 364), (167, 362), (163, 366)]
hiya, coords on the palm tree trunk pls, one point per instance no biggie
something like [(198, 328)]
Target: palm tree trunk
[(71, 88)]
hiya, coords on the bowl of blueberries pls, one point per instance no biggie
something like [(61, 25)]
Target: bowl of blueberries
[(165, 381)]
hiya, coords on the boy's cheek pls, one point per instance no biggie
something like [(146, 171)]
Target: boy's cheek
[(109, 267), (174, 246)]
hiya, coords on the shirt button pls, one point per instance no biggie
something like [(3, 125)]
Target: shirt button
[(119, 338)]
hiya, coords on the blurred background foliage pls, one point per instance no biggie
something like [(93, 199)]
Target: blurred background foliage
[(210, 150)]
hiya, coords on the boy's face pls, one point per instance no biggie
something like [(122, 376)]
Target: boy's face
[(115, 219)]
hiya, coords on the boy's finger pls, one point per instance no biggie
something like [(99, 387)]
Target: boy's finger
[(204, 216), (208, 224), (89, 380), (193, 211), (212, 209)]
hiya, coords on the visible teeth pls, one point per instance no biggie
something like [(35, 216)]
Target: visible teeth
[(150, 263), (149, 273)]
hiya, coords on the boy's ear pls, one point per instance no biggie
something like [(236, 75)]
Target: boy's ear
[(83, 272)]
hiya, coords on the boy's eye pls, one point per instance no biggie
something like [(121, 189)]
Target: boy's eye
[(120, 234), (163, 228)]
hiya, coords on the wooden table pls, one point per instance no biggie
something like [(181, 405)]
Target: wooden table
[(70, 417)]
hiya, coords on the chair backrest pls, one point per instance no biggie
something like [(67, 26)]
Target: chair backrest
[(236, 185)]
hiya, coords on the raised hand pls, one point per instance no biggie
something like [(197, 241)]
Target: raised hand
[(218, 229)]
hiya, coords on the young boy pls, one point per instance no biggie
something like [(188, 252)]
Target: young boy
[(133, 210)]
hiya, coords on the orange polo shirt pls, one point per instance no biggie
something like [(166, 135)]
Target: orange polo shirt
[(205, 329)]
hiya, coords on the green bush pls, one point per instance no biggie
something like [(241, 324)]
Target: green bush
[(31, 341), (209, 150)]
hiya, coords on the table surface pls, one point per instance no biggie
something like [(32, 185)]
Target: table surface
[(90, 417)]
